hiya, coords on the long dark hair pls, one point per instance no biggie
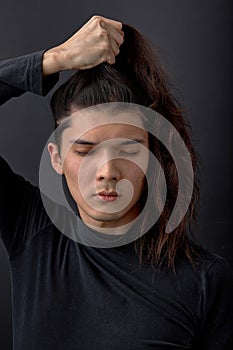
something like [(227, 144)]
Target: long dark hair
[(137, 77)]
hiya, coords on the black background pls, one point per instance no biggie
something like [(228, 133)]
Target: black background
[(193, 39)]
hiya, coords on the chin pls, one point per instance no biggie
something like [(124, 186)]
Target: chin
[(117, 218), (107, 217)]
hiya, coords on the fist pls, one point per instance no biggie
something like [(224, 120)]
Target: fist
[(97, 41)]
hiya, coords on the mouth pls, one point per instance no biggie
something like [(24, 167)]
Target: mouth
[(108, 196)]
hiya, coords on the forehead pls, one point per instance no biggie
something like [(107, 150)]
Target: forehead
[(98, 125)]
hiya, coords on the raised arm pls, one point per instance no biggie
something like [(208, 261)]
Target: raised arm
[(96, 42), (21, 74)]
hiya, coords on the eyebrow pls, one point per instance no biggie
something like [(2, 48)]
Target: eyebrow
[(90, 143), (83, 142)]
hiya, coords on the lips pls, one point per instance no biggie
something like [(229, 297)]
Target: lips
[(108, 196)]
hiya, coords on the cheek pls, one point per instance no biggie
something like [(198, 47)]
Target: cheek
[(137, 177), (80, 178), (71, 169)]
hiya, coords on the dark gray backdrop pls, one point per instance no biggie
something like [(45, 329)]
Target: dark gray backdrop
[(194, 41)]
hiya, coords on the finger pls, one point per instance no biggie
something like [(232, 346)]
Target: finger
[(116, 24), (114, 46), (110, 58), (118, 35)]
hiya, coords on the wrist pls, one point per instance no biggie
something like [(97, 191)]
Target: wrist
[(52, 61)]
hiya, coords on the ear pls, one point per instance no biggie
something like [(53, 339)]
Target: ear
[(55, 158)]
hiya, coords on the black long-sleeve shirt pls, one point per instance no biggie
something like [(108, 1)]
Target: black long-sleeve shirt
[(70, 296)]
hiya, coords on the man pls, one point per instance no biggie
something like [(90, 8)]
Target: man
[(68, 295)]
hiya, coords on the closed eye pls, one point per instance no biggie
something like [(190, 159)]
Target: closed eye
[(84, 153), (129, 153)]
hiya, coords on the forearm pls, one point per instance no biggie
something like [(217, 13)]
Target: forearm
[(19, 200), (96, 42)]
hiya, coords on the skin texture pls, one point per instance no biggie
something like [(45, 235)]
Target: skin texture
[(103, 159), (97, 41)]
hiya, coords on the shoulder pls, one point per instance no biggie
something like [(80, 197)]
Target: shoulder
[(209, 272), (216, 275), (211, 264)]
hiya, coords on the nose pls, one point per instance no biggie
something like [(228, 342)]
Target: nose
[(109, 171)]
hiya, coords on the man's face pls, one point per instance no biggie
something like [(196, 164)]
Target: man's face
[(104, 162)]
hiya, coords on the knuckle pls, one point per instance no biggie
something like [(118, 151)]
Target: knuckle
[(97, 19), (117, 50), (103, 36), (121, 40)]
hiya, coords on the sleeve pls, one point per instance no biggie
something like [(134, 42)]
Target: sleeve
[(22, 214), (21, 211), (21, 74), (216, 307)]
